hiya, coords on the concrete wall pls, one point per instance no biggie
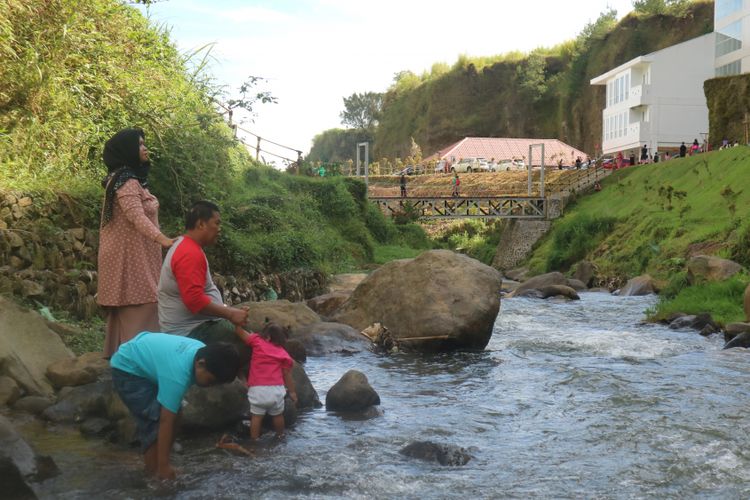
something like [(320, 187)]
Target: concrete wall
[(517, 240)]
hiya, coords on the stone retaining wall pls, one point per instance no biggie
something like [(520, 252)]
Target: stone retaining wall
[(48, 251), (516, 241)]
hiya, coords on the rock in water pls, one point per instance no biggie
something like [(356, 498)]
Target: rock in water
[(442, 453), (352, 393), (438, 301), (640, 285)]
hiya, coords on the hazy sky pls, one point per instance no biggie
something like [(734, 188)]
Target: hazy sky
[(315, 52)]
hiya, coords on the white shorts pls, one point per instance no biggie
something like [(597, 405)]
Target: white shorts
[(266, 399)]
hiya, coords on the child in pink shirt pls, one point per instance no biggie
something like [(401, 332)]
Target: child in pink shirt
[(270, 377)]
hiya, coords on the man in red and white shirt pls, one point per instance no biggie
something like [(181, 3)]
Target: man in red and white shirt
[(189, 301)]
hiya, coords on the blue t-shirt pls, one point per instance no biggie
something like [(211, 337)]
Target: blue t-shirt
[(164, 359)]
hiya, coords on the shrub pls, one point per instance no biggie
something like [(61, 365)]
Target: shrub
[(575, 237)]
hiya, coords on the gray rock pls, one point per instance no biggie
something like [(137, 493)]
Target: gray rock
[(682, 322), (710, 268), (14, 449), (215, 407), (82, 370), (15, 486), (577, 285), (443, 454), (640, 285), (95, 427), (559, 290), (306, 394), (584, 272), (352, 393), (22, 358), (9, 391), (328, 303), (540, 281), (33, 404), (77, 403), (455, 308), (741, 340), (734, 329), (324, 338)]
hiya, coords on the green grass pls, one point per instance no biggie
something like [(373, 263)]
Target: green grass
[(387, 253), (723, 300)]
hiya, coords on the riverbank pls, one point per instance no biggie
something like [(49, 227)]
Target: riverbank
[(652, 219)]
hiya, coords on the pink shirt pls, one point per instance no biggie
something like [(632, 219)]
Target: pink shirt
[(267, 362)]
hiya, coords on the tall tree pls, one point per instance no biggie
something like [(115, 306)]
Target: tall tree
[(362, 111)]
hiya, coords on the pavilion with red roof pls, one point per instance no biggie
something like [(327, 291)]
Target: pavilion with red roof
[(501, 149)]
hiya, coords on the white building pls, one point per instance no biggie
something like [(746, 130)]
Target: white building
[(732, 27), (657, 99)]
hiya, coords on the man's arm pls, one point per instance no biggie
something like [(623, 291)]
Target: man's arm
[(164, 444), (232, 314)]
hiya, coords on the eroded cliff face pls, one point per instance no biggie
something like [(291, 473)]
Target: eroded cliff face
[(493, 101)]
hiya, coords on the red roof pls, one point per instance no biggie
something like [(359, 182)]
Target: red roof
[(501, 148)]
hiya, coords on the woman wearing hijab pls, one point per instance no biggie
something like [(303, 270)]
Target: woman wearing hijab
[(130, 242)]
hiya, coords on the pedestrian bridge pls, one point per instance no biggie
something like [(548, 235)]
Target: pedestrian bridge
[(439, 207)]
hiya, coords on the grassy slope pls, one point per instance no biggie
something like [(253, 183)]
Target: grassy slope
[(649, 236), (73, 73)]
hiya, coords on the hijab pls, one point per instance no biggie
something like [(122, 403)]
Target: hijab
[(123, 160)]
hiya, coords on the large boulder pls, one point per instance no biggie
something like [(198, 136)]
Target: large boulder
[(346, 282), (27, 348), (328, 303), (282, 312), (640, 285), (710, 268), (85, 369), (324, 338), (540, 281), (438, 301), (352, 393)]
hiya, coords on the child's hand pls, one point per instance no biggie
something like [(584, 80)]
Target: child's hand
[(166, 472), (293, 396)]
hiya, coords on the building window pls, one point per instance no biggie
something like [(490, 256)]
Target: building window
[(627, 86), (729, 39), (726, 8), (732, 68)]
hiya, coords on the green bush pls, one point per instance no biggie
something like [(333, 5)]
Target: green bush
[(573, 238)]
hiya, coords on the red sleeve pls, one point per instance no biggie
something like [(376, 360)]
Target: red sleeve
[(252, 339), (189, 268)]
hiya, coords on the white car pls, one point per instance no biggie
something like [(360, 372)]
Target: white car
[(508, 165), (467, 165)]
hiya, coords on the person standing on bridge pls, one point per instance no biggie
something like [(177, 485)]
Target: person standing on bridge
[(455, 182), (403, 185)]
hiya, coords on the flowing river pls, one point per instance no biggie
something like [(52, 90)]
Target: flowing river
[(569, 400)]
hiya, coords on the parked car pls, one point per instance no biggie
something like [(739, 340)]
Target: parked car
[(411, 170), (467, 165), (508, 165)]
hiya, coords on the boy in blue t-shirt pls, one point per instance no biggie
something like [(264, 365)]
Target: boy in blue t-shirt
[(152, 372)]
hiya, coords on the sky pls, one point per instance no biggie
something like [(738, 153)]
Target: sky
[(313, 53)]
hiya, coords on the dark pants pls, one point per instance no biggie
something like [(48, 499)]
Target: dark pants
[(139, 395)]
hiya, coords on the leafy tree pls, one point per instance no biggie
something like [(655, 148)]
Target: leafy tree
[(337, 145), (531, 76), (652, 7), (249, 97), (362, 111)]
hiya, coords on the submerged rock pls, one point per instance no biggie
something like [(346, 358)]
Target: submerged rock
[(559, 290), (741, 340), (444, 454), (539, 282), (352, 393), (438, 301), (15, 450)]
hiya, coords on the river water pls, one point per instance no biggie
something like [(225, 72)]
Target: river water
[(569, 400)]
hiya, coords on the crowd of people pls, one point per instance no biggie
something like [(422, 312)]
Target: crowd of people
[(167, 327)]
